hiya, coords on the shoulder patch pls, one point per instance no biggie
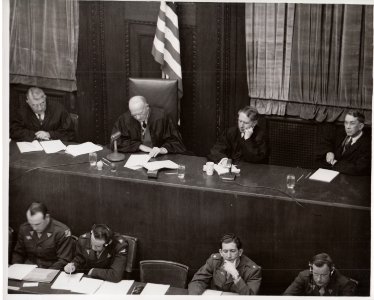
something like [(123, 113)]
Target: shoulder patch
[(216, 256), (67, 232), (123, 251)]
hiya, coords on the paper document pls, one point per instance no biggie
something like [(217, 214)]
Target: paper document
[(155, 289), (87, 285), (223, 170), (52, 146), (324, 175), (229, 294), (18, 271), (209, 292), (29, 146), (160, 164), (41, 275), (136, 161), (66, 281), (84, 148), (112, 288)]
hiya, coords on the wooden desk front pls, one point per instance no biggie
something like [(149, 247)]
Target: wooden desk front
[(183, 219)]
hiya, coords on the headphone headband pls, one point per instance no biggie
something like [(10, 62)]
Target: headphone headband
[(108, 236)]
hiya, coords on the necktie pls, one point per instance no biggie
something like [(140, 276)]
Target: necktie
[(322, 291), (40, 118), (144, 127), (347, 143)]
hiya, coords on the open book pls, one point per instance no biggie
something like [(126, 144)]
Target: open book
[(51, 146)]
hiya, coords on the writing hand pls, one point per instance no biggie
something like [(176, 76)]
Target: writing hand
[(69, 268), (330, 156)]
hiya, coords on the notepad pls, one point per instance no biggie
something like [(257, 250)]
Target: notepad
[(25, 147), (52, 146), (111, 288), (155, 289), (19, 271), (324, 175), (66, 281), (87, 285), (136, 161)]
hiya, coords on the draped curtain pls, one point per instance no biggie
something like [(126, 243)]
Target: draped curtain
[(44, 43), (327, 61), (269, 40)]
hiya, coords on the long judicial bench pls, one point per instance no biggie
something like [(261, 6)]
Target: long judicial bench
[(183, 219)]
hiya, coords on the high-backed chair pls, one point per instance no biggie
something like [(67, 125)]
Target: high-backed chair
[(131, 254), (74, 118), (164, 272), (162, 93)]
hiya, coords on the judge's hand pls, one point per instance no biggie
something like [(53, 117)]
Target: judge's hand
[(42, 135), (156, 151), (248, 133), (330, 157), (69, 268), (145, 148)]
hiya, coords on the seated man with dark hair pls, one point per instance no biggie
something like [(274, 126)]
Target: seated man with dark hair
[(229, 271), (100, 254), (37, 119), (350, 153), (43, 241), (147, 129), (321, 279), (245, 142)]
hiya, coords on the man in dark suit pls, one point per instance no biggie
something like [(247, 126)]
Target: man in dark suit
[(321, 279), (37, 119), (245, 142), (147, 129), (350, 153)]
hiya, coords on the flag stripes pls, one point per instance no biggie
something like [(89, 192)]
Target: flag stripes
[(166, 48)]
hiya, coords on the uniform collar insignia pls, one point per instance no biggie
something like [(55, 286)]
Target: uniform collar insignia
[(120, 240), (49, 234), (28, 237), (88, 251), (330, 291)]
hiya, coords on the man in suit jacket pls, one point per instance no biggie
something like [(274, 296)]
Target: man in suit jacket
[(147, 129), (350, 153), (245, 142), (37, 119)]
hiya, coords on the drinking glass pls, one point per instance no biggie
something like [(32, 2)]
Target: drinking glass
[(181, 171), (92, 158), (290, 181)]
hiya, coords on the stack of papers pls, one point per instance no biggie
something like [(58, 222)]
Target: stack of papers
[(87, 286), (324, 175), (19, 271), (160, 164), (84, 148), (136, 161), (66, 281), (41, 275), (209, 292), (223, 170), (155, 289)]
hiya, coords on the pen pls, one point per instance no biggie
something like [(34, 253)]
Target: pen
[(308, 174), (300, 177), (104, 163), (105, 160)]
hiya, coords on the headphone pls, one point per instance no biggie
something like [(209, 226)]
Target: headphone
[(104, 231)]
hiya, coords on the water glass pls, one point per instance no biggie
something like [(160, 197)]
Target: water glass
[(181, 171), (92, 158), (209, 168), (290, 181)]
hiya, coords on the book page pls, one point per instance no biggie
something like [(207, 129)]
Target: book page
[(155, 289), (87, 285), (112, 288), (324, 175), (25, 147), (136, 161), (18, 271), (52, 146)]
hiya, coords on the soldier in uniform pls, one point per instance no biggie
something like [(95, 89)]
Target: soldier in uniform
[(322, 279), (229, 271), (100, 254), (42, 240)]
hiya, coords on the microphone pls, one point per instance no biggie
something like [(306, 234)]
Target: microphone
[(115, 156)]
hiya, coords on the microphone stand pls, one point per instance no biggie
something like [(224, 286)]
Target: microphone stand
[(115, 156)]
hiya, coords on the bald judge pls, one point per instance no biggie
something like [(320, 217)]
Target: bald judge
[(147, 129)]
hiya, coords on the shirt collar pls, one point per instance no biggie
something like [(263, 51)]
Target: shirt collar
[(354, 139)]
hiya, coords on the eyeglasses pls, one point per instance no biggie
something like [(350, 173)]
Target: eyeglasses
[(321, 275)]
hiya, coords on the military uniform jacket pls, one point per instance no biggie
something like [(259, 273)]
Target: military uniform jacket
[(213, 276), (111, 263), (161, 128), (230, 144), (57, 122), (54, 249), (304, 285)]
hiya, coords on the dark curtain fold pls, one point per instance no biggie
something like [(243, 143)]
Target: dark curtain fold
[(44, 43), (332, 60)]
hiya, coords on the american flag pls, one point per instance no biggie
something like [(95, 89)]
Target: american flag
[(166, 49)]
